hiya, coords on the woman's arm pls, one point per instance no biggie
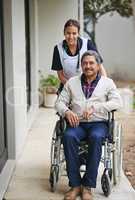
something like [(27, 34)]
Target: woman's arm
[(57, 66), (61, 76), (102, 70)]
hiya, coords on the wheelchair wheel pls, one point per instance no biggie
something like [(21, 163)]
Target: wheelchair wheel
[(56, 155), (56, 145), (54, 174), (117, 152), (106, 183), (110, 174)]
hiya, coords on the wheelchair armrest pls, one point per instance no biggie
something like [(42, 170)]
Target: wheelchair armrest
[(111, 115), (60, 117), (111, 123), (113, 111), (58, 114), (62, 122)]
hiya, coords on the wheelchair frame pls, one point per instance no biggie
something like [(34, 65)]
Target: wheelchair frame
[(111, 155)]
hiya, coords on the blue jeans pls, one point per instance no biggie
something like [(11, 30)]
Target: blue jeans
[(94, 133)]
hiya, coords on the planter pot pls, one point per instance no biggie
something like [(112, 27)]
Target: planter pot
[(41, 98), (49, 100)]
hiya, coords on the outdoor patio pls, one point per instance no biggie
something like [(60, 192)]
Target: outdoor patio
[(30, 178)]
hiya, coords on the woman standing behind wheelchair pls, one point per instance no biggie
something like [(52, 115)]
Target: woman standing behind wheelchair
[(67, 54)]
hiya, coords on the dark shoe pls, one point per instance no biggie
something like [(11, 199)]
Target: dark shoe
[(72, 193), (86, 193)]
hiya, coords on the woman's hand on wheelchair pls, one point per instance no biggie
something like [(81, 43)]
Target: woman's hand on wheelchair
[(72, 118)]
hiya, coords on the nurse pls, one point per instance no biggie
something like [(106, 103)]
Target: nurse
[(67, 54)]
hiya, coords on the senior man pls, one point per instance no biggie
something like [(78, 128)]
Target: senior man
[(85, 102)]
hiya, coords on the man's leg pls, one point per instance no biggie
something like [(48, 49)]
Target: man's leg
[(96, 133), (71, 141)]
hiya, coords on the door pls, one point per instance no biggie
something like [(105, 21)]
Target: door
[(3, 146)]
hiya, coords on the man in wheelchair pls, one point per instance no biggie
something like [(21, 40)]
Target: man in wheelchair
[(85, 102)]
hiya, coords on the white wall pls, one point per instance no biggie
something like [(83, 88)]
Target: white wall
[(52, 17), (23, 119), (19, 67), (50, 32), (34, 61), (115, 38)]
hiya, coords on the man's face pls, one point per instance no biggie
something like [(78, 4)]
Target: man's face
[(90, 67)]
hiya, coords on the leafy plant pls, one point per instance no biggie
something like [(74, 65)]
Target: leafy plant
[(50, 83), (94, 9)]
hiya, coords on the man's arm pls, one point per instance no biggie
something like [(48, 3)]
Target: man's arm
[(62, 106), (113, 102), (63, 100)]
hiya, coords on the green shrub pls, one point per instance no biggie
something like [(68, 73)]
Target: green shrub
[(49, 84)]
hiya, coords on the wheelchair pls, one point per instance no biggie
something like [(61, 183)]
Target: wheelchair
[(111, 154)]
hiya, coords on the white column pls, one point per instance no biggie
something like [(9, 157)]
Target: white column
[(81, 15)]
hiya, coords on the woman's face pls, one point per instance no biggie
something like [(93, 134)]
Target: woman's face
[(71, 34)]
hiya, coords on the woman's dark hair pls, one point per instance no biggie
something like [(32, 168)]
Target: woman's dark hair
[(72, 22)]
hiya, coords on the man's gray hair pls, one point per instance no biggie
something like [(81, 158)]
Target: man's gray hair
[(91, 53)]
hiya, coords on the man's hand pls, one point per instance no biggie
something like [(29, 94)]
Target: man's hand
[(87, 113), (72, 118)]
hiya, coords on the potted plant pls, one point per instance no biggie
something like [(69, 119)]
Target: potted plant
[(49, 86)]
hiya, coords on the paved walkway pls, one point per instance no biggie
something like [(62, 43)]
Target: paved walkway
[(30, 179)]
